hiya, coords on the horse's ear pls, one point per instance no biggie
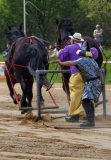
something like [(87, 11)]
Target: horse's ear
[(9, 27), (20, 27), (57, 22)]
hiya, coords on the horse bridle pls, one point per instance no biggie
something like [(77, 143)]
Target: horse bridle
[(64, 43)]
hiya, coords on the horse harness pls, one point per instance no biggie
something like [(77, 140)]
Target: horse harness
[(8, 70), (13, 79)]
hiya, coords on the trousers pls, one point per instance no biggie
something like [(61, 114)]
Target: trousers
[(76, 92), (89, 108)]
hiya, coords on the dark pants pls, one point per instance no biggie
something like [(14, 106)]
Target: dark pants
[(89, 109), (101, 43)]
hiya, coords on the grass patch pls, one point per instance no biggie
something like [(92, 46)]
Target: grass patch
[(107, 52), (1, 58), (57, 77)]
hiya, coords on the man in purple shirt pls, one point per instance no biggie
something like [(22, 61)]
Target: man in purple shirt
[(76, 84)]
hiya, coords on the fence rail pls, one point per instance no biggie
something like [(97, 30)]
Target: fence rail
[(38, 72), (107, 62)]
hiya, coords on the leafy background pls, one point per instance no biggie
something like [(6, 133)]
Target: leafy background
[(84, 13)]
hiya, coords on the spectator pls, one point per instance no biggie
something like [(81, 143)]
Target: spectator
[(98, 35), (93, 79), (6, 51), (52, 52)]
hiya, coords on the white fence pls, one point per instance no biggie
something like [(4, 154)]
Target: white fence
[(2, 66), (107, 62)]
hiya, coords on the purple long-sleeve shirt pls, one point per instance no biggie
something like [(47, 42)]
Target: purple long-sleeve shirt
[(70, 51)]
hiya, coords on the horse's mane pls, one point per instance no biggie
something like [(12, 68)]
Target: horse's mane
[(67, 25)]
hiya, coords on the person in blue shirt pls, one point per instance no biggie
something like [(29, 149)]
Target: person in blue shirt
[(6, 51)]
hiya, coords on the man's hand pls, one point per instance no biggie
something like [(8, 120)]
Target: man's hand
[(102, 88), (58, 61)]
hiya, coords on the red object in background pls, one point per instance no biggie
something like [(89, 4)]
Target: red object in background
[(2, 67)]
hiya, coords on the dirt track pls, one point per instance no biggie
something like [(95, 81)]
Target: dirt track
[(23, 137)]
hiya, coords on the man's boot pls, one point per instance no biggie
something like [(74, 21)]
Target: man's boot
[(89, 109), (73, 119), (88, 123)]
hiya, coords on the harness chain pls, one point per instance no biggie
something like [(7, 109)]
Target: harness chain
[(12, 85)]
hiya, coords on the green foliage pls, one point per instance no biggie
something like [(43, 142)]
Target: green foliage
[(108, 74), (107, 52), (1, 58), (99, 12), (11, 14), (84, 13)]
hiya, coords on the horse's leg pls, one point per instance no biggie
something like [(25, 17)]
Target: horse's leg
[(24, 93), (41, 98), (66, 88), (40, 86), (10, 88), (23, 100), (29, 94)]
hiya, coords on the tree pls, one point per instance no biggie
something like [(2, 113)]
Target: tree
[(84, 13), (11, 14), (99, 11)]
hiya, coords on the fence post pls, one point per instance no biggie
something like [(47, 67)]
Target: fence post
[(38, 94), (104, 96)]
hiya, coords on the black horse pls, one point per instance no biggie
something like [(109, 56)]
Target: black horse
[(25, 56), (65, 28)]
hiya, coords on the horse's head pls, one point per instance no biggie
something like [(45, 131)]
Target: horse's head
[(65, 28), (13, 34)]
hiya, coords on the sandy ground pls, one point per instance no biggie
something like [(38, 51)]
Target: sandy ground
[(24, 137)]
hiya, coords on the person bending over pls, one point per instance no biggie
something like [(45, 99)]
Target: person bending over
[(93, 81)]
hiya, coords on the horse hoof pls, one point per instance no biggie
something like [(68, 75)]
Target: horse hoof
[(14, 98), (19, 97), (15, 102), (29, 111), (26, 111), (42, 103)]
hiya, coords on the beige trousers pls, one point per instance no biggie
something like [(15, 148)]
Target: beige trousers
[(76, 92)]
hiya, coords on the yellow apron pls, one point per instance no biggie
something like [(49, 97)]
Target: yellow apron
[(76, 92)]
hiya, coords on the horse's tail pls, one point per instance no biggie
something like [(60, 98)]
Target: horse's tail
[(34, 59)]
